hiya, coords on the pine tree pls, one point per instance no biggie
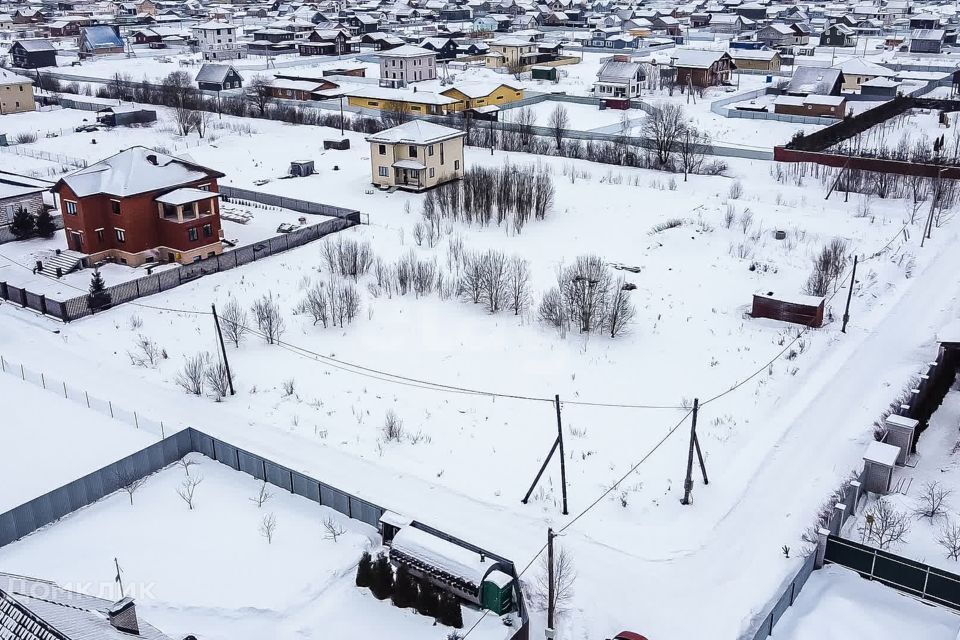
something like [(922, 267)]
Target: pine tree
[(450, 613), (45, 225), (427, 600), (404, 589), (99, 296), (23, 224), (382, 582), (365, 570)]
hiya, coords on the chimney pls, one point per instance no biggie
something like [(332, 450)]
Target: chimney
[(123, 616), (152, 159)]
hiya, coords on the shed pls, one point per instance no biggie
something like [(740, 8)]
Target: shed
[(340, 145), (390, 523), (301, 168), (798, 309), (900, 433), (878, 463), (545, 73), (125, 116), (466, 573)]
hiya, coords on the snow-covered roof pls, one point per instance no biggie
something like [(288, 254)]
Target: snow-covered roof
[(395, 519), (135, 170), (902, 421), (416, 132), (36, 44), (9, 77), (861, 67), (402, 95), (882, 453), (697, 58), (214, 24), (102, 36), (478, 88), (409, 164), (213, 73), (446, 556), (407, 51), (950, 333), (186, 195), (754, 54), (619, 71)]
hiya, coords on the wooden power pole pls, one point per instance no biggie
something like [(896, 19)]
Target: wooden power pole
[(557, 444), (694, 446), (551, 587), (846, 311), (223, 348)]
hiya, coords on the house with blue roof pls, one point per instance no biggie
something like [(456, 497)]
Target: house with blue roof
[(100, 40)]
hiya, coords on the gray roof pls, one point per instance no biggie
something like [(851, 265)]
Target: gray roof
[(102, 36), (619, 71), (813, 80), (213, 73), (74, 615), (36, 44)]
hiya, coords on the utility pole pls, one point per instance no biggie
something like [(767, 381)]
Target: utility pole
[(694, 445), (551, 588), (853, 280), (563, 462), (223, 348), (119, 580)]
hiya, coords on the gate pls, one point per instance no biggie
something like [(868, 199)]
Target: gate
[(918, 579)]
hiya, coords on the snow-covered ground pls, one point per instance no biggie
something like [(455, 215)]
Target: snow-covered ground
[(49, 441), (837, 604), (937, 467), (187, 580)]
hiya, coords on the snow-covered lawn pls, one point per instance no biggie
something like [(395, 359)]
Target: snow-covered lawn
[(49, 441), (837, 604), (937, 467), (211, 572)]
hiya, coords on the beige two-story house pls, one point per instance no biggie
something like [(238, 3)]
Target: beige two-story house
[(16, 93), (416, 156)]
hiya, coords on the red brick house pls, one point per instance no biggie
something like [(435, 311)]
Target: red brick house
[(142, 206)]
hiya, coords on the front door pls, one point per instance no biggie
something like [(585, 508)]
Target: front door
[(76, 241)]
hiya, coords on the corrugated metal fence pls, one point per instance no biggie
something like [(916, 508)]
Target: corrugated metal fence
[(43, 510), (762, 626)]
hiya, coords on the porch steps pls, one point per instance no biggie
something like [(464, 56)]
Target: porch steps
[(67, 260)]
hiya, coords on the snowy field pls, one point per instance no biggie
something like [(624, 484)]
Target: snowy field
[(937, 467), (837, 604), (300, 584), (691, 338), (33, 420)]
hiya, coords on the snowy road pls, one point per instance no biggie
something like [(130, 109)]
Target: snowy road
[(646, 578)]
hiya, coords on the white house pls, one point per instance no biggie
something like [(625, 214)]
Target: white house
[(218, 41), (619, 78), (406, 64)]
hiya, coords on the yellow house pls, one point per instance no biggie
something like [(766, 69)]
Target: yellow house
[(472, 95), (16, 93), (413, 102), (416, 155)]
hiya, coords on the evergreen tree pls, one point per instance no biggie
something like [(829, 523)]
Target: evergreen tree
[(450, 613), (45, 225), (365, 570), (427, 600), (404, 589), (382, 582), (99, 296), (23, 224)]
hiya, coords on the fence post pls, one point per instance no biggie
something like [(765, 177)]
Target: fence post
[(3, 364), (136, 423), (110, 404), (88, 398), (23, 376), (65, 390), (43, 381), (161, 430)]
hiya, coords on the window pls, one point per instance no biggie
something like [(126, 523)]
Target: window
[(204, 187), (431, 172), (115, 207), (456, 165), (413, 151), (192, 234), (207, 231), (441, 153), (382, 149), (383, 172), (430, 150), (121, 235), (70, 207), (100, 234)]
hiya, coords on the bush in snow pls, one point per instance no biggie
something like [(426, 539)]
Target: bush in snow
[(587, 297), (392, 427), (950, 539), (191, 377), (235, 322), (347, 257), (365, 570), (428, 600), (188, 488), (381, 583), (889, 527), (932, 501), (218, 380), (449, 612), (564, 576), (827, 267), (146, 352), (266, 311), (405, 590), (268, 526)]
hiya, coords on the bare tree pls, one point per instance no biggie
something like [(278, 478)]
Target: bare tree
[(128, 482), (620, 312), (188, 487), (494, 279), (146, 353), (585, 287), (889, 526), (315, 303), (559, 121), (218, 379), (395, 113), (665, 129), (266, 311), (201, 120), (259, 93), (186, 463), (235, 322), (518, 285), (191, 377), (263, 495), (525, 121), (392, 426), (691, 150), (564, 577), (267, 526), (333, 528), (828, 265), (932, 502), (950, 539)]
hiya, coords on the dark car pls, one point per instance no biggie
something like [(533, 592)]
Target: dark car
[(629, 635)]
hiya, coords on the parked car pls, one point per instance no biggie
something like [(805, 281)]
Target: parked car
[(629, 635)]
